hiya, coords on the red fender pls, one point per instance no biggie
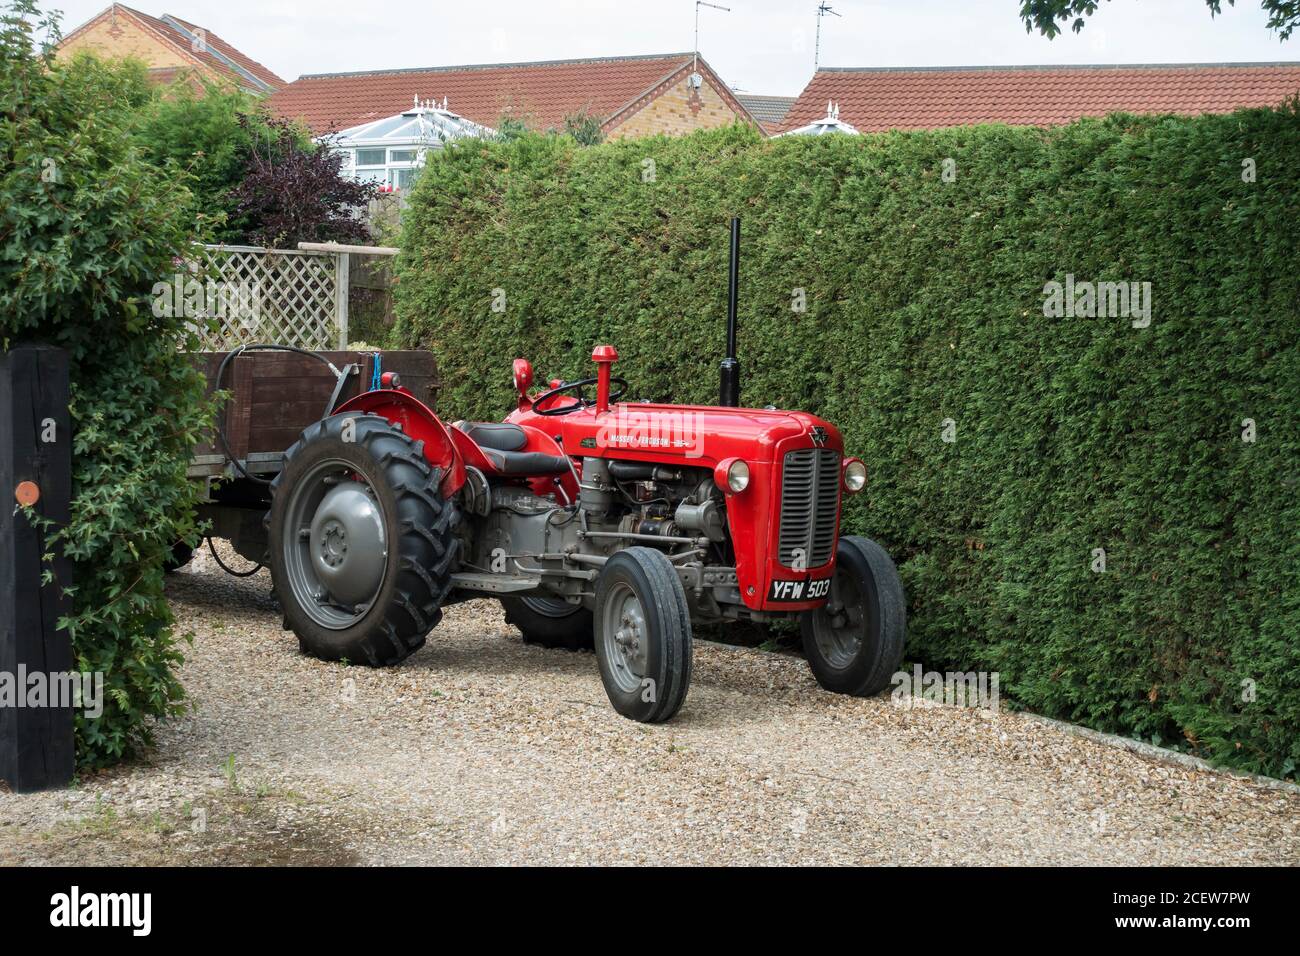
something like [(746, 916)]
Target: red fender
[(419, 422)]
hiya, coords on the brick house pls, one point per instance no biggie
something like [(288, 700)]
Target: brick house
[(630, 96), (874, 100), (170, 47)]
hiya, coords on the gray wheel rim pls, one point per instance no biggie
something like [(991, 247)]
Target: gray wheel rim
[(625, 638), (335, 547), (551, 607), (838, 626)]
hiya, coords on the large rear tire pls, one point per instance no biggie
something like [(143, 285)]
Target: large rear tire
[(362, 543), (643, 635), (550, 622), (854, 643)]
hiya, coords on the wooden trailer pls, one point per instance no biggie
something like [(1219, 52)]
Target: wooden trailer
[(273, 396)]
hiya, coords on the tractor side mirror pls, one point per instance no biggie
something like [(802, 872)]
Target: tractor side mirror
[(523, 376)]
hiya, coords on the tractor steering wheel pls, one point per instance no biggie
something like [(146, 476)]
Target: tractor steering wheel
[(583, 401)]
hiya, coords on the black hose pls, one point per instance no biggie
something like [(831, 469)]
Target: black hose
[(221, 421), (221, 564)]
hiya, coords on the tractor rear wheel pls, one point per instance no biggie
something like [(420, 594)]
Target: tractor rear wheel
[(854, 642), (643, 635), (550, 622), (362, 542)]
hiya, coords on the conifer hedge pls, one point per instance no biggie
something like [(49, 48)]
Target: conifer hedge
[(1104, 527)]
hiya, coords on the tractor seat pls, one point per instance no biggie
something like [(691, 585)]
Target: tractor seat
[(500, 443), (499, 435)]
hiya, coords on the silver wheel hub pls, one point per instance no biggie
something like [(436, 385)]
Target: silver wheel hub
[(335, 543), (626, 638), (839, 626), (347, 547)]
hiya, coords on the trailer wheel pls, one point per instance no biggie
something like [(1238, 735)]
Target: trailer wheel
[(854, 643), (550, 622), (362, 542), (643, 635), (181, 555)]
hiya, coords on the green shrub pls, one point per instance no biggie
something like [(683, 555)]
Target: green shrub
[(199, 133), (925, 302), (86, 228)]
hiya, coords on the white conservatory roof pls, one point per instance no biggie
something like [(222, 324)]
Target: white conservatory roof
[(426, 123), (830, 123)]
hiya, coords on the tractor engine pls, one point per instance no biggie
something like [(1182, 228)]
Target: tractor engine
[(514, 530), (658, 501)]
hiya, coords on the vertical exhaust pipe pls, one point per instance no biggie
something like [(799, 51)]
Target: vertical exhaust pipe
[(729, 387)]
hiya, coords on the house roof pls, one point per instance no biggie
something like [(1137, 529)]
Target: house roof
[(767, 109), (880, 99), (223, 49), (213, 53), (541, 93)]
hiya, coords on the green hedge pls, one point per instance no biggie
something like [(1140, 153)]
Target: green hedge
[(925, 302), (86, 228)]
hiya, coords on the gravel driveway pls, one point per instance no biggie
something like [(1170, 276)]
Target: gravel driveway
[(480, 749)]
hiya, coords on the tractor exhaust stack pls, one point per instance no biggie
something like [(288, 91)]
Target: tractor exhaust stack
[(729, 388)]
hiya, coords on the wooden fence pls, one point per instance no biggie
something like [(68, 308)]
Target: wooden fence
[(286, 296)]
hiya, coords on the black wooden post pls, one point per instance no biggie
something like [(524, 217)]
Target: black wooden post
[(36, 742)]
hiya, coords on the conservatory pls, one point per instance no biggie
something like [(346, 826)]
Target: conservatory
[(389, 151), (830, 123)]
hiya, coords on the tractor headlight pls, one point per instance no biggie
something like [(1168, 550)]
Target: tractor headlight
[(732, 474), (738, 476), (855, 475)]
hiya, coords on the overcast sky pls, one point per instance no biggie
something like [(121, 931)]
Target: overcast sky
[(761, 46)]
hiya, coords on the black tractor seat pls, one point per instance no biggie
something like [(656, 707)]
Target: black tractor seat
[(500, 443)]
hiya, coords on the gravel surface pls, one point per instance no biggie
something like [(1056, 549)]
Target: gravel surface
[(480, 749)]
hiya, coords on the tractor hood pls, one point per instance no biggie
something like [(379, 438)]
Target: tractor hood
[(703, 434)]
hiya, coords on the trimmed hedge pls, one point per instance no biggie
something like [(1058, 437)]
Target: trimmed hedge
[(925, 303)]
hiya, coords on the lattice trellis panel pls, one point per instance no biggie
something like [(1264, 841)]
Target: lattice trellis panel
[(278, 296)]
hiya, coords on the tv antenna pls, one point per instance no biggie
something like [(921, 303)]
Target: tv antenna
[(695, 61), (822, 9)]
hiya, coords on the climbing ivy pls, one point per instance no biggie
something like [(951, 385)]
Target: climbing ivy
[(86, 228)]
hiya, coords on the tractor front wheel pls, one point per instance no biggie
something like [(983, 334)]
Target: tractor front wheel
[(362, 542), (643, 635), (854, 642)]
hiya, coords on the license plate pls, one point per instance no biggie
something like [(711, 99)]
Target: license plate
[(805, 589)]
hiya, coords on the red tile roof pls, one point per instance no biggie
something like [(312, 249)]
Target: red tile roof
[(874, 100), (541, 94), (220, 46), (215, 54)]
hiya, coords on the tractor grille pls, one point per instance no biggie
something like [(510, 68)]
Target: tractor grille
[(810, 502)]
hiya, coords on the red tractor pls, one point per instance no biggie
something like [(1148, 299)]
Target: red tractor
[(597, 522)]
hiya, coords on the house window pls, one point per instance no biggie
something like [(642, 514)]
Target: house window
[(370, 157), (401, 155), (402, 178)]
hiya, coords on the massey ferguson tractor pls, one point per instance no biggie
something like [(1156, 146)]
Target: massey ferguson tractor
[(598, 522)]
